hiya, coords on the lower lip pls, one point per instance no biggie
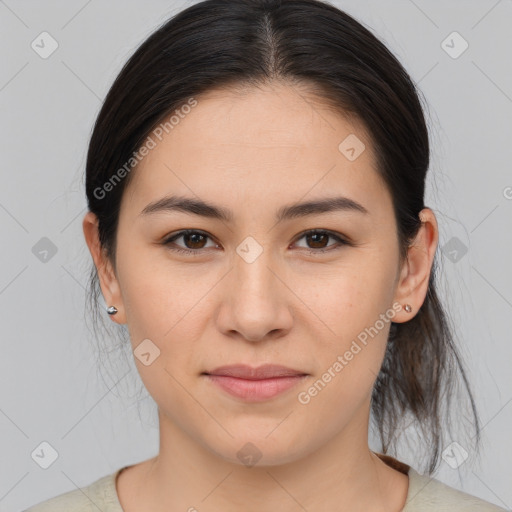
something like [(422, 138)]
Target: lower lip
[(255, 390)]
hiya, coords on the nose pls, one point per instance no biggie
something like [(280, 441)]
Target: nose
[(256, 303)]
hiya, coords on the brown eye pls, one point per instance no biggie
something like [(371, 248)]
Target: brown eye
[(194, 241), (317, 241)]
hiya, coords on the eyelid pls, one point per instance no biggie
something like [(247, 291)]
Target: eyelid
[(340, 239), (174, 236)]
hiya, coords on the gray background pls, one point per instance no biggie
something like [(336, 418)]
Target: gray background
[(51, 388)]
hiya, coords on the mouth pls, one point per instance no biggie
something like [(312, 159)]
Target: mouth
[(255, 384)]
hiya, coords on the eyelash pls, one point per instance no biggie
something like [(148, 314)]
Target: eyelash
[(197, 252)]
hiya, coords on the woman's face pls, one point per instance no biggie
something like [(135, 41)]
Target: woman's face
[(257, 289)]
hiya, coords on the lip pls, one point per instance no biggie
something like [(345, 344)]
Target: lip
[(265, 371), (255, 384)]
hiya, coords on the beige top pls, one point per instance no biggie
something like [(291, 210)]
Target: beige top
[(425, 494)]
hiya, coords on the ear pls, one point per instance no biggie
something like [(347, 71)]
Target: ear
[(414, 276), (108, 281)]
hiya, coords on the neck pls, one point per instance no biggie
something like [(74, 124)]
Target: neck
[(342, 474)]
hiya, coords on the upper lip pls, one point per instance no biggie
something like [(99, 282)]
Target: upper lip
[(266, 371)]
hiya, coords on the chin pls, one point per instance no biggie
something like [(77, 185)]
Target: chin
[(259, 449)]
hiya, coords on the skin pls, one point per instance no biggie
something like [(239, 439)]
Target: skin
[(254, 152)]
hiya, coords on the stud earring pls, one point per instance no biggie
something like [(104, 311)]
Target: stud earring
[(408, 308), (111, 310)]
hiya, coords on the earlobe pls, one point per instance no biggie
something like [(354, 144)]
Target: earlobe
[(412, 286), (106, 275)]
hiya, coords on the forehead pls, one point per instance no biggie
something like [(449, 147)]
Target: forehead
[(275, 142)]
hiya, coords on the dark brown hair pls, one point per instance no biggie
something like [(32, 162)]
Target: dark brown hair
[(238, 43)]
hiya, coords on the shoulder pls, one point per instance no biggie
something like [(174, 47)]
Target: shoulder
[(428, 494), (99, 495)]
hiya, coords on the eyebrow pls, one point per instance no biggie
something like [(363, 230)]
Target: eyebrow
[(204, 209)]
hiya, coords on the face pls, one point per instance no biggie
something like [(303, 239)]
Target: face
[(256, 288)]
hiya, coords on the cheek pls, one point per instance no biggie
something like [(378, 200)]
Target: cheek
[(352, 317), (348, 361), (163, 307), (166, 303), (349, 297), (153, 290)]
